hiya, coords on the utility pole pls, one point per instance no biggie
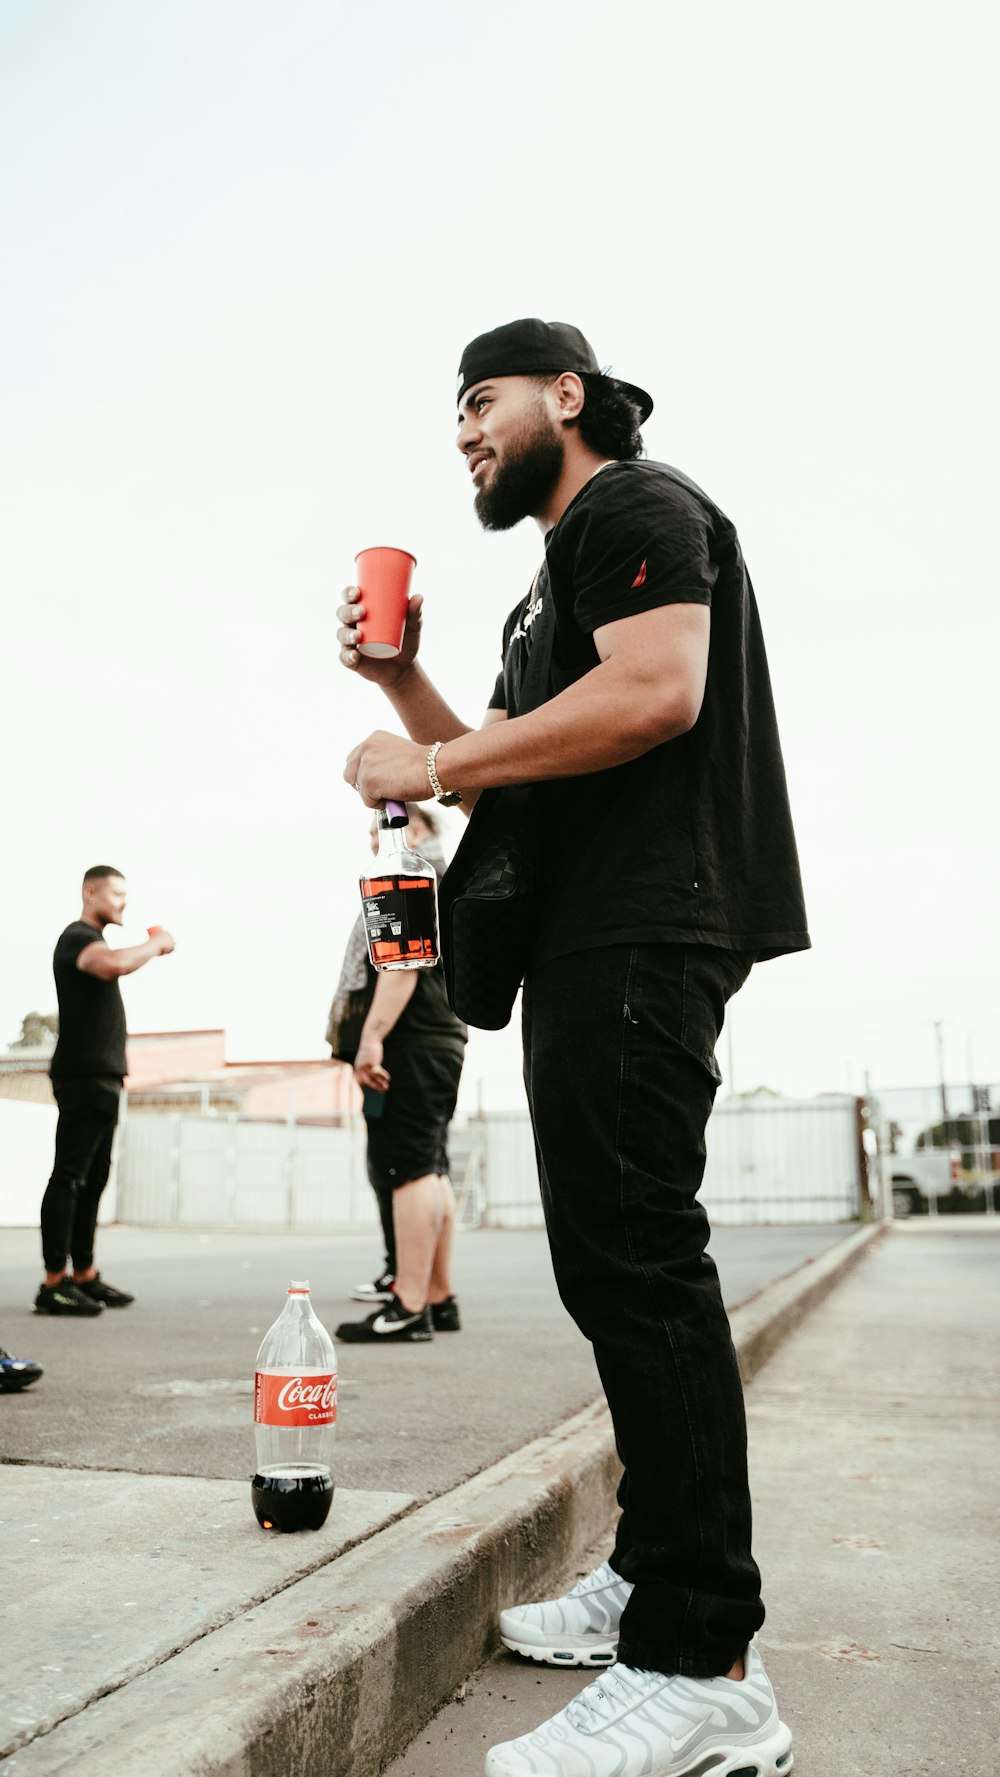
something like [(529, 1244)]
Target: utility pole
[(944, 1089), (979, 1124)]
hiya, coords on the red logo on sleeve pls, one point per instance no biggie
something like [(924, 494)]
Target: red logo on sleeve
[(640, 577)]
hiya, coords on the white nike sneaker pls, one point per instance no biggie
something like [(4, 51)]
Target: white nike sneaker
[(644, 1724), (580, 1629)]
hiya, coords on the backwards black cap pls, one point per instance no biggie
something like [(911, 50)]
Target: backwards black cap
[(527, 348)]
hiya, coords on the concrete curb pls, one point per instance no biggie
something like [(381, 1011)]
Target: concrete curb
[(335, 1675)]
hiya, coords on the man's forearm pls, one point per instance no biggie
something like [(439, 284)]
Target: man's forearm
[(601, 721), (109, 965), (135, 957), (393, 993), (422, 710)]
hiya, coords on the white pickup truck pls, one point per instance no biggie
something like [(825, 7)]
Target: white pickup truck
[(929, 1172)]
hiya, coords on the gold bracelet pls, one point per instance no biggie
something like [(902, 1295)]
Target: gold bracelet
[(447, 798)]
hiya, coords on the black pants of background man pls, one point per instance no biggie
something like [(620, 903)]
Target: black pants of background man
[(85, 1132), (620, 1070), (383, 1189)]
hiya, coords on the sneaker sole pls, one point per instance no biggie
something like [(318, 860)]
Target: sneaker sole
[(72, 1313), (14, 1387), (773, 1758), (354, 1332), (570, 1652)]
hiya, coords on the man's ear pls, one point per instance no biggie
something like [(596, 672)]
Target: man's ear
[(569, 394)]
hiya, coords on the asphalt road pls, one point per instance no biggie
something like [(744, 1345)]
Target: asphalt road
[(164, 1387)]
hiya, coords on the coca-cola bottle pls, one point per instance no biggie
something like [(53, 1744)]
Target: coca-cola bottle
[(399, 898), (295, 1417)]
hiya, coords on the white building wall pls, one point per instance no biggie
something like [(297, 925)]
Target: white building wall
[(27, 1148)]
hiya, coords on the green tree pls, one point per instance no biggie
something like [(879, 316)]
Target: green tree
[(37, 1030)]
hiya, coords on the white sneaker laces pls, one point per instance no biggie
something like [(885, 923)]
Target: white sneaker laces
[(592, 1582), (595, 1706)]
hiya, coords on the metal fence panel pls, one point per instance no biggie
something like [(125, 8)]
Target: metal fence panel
[(229, 1172), (771, 1161), (782, 1160), (329, 1178), (202, 1181), (512, 1196)]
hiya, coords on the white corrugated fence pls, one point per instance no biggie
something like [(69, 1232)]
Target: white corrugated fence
[(770, 1160)]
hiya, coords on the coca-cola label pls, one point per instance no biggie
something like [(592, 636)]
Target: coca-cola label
[(295, 1399)]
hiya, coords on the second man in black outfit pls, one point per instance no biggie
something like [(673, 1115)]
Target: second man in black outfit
[(87, 1070)]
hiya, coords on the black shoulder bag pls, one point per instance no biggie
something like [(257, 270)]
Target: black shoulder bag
[(488, 894)]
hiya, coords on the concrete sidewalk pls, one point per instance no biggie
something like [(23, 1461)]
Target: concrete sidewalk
[(190, 1650), (874, 1441)]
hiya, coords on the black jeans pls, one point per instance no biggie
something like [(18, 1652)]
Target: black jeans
[(620, 1070), (85, 1132)]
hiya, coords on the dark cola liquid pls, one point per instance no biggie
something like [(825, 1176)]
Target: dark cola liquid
[(401, 921), (287, 1499)]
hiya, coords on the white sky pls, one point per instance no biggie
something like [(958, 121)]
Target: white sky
[(244, 246)]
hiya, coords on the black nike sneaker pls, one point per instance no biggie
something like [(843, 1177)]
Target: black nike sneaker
[(105, 1293), (391, 1325), (445, 1316), (65, 1297)]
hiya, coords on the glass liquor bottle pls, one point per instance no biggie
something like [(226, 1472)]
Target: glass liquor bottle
[(399, 899)]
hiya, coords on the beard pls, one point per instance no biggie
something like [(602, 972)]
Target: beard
[(523, 484)]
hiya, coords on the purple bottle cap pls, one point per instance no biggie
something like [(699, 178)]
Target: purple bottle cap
[(396, 815)]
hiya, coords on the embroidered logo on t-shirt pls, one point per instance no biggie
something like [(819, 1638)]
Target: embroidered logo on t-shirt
[(640, 577), (533, 610)]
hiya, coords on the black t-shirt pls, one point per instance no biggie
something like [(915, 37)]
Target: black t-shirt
[(692, 842), (91, 1012), (427, 1021)]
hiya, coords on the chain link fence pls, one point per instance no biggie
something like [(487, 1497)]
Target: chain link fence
[(941, 1147)]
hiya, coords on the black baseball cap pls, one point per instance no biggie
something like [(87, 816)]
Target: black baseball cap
[(527, 348)]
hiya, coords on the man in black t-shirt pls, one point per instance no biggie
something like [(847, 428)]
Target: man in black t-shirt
[(668, 868), (87, 1068)]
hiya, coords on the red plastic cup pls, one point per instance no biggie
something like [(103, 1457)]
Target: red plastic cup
[(384, 579), (152, 931)]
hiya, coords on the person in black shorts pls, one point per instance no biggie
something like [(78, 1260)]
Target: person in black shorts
[(668, 868), (408, 1064), (87, 1069)]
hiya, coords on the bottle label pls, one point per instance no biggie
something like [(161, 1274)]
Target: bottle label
[(295, 1400), (400, 917)]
